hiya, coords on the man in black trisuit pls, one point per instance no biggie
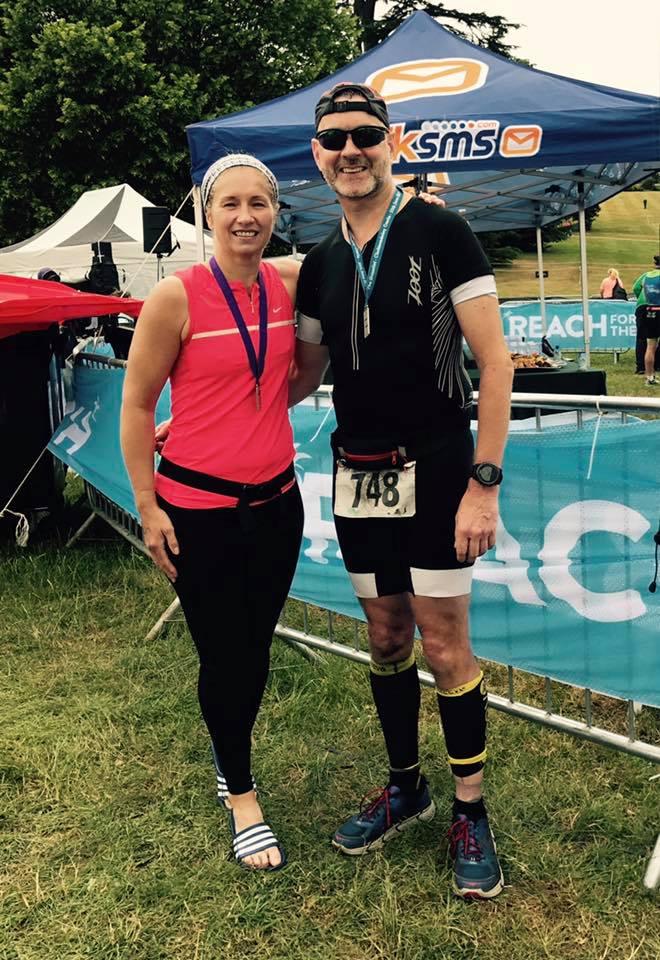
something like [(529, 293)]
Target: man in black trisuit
[(388, 298)]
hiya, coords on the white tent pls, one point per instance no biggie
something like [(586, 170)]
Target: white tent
[(112, 215)]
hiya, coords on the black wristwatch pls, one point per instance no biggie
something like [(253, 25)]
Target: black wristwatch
[(487, 474)]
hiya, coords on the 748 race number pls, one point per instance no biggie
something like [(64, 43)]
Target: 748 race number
[(377, 493)]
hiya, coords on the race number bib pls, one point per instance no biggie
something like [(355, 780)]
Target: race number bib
[(360, 494)]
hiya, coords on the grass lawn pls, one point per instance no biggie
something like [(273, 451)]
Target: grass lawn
[(624, 236), (112, 847), (621, 378)]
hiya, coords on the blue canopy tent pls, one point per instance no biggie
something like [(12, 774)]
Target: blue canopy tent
[(513, 147)]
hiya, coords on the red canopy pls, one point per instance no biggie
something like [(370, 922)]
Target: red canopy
[(34, 304)]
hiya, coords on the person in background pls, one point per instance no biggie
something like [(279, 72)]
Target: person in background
[(647, 314), (222, 516), (47, 273), (611, 287)]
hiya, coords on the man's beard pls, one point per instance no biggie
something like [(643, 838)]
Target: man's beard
[(376, 186)]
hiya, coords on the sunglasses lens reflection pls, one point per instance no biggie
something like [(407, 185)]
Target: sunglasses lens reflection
[(362, 137)]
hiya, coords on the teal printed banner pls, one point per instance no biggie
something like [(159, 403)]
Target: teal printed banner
[(611, 323), (87, 438), (565, 591)]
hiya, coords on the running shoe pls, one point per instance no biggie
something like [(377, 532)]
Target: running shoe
[(477, 871), (383, 815), (652, 382)]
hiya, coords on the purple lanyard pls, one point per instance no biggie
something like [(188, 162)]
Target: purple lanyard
[(257, 366)]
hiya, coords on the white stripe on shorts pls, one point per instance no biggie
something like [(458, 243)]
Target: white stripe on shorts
[(441, 583), (364, 585), (426, 583)]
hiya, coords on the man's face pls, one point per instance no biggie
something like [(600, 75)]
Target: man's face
[(354, 173)]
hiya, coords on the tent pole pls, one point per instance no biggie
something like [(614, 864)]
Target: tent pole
[(199, 223), (584, 280), (539, 256)]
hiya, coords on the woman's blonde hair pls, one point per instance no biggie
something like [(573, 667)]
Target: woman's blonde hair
[(613, 273)]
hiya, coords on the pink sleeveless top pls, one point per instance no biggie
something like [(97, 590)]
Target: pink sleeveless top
[(216, 427)]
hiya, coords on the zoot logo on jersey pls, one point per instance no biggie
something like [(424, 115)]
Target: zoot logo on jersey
[(414, 276)]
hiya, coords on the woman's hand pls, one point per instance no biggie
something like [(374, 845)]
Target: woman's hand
[(157, 531), (432, 198), (161, 434)]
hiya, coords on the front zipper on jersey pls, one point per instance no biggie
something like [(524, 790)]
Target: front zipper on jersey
[(355, 320)]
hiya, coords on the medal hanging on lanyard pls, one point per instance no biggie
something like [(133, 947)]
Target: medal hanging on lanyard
[(256, 364), (368, 279)]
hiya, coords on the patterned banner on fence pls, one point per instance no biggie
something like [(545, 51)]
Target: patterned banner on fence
[(565, 591)]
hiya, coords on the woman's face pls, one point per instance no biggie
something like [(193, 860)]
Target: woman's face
[(240, 211)]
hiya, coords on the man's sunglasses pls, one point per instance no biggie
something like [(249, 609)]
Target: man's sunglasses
[(362, 137)]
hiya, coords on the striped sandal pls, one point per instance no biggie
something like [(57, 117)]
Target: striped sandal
[(222, 790), (253, 840)]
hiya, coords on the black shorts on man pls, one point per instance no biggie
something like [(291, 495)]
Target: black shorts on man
[(416, 554), (648, 322)]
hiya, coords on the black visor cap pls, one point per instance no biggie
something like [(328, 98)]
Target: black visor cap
[(372, 103)]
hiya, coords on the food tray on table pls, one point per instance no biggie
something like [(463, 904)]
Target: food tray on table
[(535, 361)]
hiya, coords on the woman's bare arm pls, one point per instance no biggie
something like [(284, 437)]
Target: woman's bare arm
[(154, 349)]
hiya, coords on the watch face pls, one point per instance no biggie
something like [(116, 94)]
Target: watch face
[(487, 473)]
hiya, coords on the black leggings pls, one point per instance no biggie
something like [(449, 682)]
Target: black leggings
[(232, 584)]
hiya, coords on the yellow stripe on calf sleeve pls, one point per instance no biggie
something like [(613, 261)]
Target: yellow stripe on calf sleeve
[(388, 669), (480, 758), (463, 718), (464, 688)]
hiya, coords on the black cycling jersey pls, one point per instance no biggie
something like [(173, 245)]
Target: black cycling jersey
[(406, 375)]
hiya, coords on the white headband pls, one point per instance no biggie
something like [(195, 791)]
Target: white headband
[(236, 160)]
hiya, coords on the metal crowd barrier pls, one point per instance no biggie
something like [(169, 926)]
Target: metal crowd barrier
[(310, 643), (129, 527)]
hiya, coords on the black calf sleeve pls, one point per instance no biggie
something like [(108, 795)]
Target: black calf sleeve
[(396, 692), (463, 718)]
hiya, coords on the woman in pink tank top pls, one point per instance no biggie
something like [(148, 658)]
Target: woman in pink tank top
[(222, 516)]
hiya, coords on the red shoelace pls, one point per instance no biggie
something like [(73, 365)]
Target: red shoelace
[(463, 830), (369, 808)]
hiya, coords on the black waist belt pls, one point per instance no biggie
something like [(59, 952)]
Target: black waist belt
[(394, 451), (244, 492)]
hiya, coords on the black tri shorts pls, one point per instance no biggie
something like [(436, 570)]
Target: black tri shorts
[(386, 556), (648, 322)]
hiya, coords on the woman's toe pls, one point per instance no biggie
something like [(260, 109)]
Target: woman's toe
[(274, 856)]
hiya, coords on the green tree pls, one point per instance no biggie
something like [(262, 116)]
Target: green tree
[(99, 92), (503, 246), (650, 183), (479, 28)]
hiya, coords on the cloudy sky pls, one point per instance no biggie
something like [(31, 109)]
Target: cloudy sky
[(615, 44)]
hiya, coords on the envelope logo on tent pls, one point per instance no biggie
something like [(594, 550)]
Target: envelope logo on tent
[(521, 141), (428, 78)]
